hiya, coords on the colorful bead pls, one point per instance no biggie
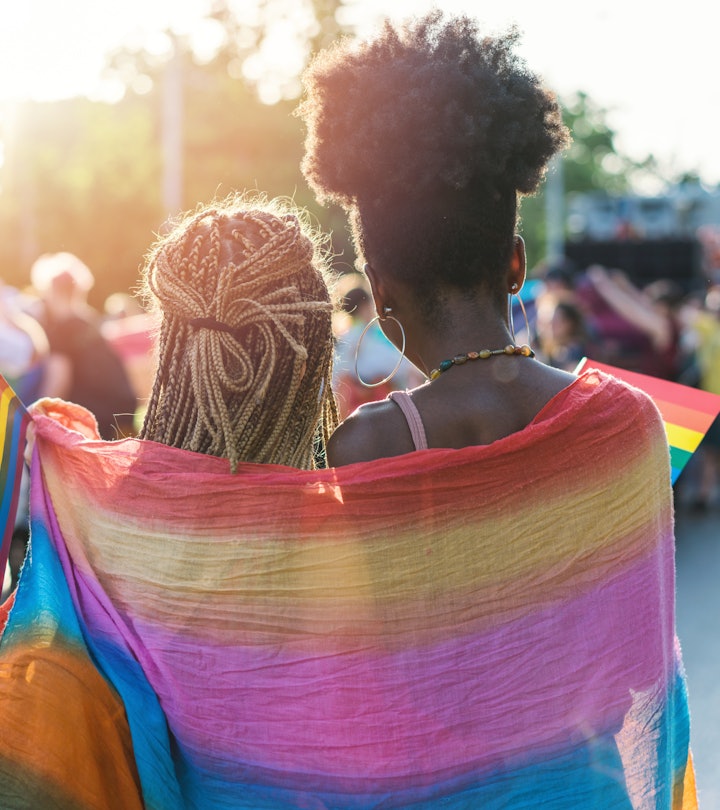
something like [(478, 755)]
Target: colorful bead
[(483, 354)]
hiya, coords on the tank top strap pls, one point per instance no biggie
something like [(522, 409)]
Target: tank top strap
[(412, 416)]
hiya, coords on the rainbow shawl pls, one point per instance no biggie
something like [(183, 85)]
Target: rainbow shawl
[(491, 627)]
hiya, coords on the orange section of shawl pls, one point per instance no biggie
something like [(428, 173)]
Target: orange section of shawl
[(65, 740), (687, 800)]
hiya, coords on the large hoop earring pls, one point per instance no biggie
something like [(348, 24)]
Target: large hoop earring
[(388, 316), (511, 324), (516, 293)]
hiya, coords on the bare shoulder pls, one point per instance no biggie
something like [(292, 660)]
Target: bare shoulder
[(374, 430)]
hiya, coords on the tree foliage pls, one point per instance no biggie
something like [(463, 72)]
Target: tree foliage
[(78, 176), (592, 163)]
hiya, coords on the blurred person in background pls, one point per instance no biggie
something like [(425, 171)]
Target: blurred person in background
[(558, 278), (23, 346), (82, 367), (561, 333), (702, 324), (131, 332), (636, 329), (364, 358), (559, 328), (23, 355)]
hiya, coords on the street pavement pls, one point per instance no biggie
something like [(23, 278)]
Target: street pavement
[(698, 624)]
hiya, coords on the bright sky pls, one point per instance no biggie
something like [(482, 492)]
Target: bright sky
[(653, 65)]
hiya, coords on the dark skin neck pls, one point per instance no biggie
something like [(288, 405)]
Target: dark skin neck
[(472, 404), (459, 326)]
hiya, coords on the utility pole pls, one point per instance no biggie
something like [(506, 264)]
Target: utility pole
[(555, 210), (172, 133), (18, 178)]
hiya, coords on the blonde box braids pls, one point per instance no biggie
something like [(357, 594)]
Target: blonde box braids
[(245, 346)]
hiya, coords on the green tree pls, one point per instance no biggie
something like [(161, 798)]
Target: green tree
[(87, 177), (592, 163), (230, 139), (76, 178)]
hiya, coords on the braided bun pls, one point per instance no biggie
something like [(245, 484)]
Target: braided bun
[(245, 346)]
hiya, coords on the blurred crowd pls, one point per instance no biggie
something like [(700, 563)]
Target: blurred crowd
[(661, 329), (664, 329), (54, 343)]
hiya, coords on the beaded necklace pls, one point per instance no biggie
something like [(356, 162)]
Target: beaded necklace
[(483, 354)]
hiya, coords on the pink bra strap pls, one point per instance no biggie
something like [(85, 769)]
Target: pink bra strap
[(412, 416)]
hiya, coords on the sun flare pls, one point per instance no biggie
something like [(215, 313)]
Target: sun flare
[(34, 60), (51, 50)]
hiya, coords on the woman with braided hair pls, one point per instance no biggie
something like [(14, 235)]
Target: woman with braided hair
[(237, 421), (245, 344)]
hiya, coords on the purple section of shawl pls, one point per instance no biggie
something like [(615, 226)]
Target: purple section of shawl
[(414, 710)]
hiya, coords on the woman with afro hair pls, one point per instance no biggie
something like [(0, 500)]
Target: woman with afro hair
[(540, 496), (427, 136)]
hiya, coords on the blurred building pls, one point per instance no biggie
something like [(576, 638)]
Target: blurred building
[(679, 213), (647, 237)]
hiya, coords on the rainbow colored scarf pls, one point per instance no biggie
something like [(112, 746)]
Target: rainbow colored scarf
[(14, 420), (490, 627)]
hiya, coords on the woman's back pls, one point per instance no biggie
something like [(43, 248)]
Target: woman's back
[(475, 406)]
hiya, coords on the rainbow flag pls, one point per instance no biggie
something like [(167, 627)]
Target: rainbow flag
[(687, 412), (490, 627), (14, 420)]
